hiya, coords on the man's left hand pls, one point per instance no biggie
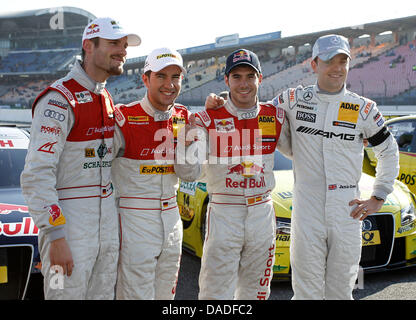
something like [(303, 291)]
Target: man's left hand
[(365, 207), (189, 140)]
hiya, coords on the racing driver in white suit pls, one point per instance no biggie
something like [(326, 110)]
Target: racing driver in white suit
[(66, 181), (328, 124), (146, 175), (239, 247)]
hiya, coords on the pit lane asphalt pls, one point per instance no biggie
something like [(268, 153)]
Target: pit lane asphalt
[(390, 285)]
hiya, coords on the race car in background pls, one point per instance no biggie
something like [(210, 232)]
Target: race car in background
[(404, 130), (19, 256), (388, 237)]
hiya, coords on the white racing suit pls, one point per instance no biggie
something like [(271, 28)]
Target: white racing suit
[(146, 180), (67, 185), (327, 132), (239, 247)]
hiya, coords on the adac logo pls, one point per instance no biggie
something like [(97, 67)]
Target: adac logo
[(348, 112), (246, 169), (241, 55), (56, 217)]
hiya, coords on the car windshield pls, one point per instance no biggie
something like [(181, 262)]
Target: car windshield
[(12, 162), (281, 162)]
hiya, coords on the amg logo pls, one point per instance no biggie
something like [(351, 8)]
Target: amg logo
[(306, 116), (326, 134)]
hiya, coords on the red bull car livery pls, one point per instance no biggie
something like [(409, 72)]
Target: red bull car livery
[(19, 256)]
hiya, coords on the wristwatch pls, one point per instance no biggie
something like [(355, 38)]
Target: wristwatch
[(378, 198)]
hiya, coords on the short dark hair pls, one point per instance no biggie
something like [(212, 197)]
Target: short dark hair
[(147, 73), (95, 41)]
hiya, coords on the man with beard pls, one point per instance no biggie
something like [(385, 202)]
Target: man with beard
[(146, 178), (67, 180)]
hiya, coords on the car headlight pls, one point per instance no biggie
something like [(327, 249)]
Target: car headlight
[(407, 214), (282, 225)]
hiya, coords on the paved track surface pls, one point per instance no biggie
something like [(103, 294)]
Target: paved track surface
[(390, 285)]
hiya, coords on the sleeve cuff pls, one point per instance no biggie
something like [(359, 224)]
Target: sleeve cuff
[(380, 194), (56, 233)]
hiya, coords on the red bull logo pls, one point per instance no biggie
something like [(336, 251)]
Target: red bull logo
[(247, 169), (247, 183), (92, 26), (56, 217), (241, 55), (224, 125), (17, 229)]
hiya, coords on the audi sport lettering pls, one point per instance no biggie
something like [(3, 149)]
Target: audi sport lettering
[(91, 131), (268, 273)]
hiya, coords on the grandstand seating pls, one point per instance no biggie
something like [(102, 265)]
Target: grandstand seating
[(385, 75), (382, 71), (38, 61)]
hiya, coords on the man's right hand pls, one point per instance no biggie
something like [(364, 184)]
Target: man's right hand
[(60, 254), (213, 101)]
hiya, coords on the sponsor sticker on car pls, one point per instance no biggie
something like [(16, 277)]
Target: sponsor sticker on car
[(371, 238), (3, 274)]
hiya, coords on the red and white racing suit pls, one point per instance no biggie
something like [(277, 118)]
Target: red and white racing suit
[(67, 185), (239, 248), (327, 132), (146, 180)]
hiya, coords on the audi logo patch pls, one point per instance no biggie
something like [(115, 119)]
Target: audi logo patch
[(54, 115)]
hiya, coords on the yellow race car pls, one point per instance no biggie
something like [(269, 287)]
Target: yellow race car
[(404, 130), (389, 236)]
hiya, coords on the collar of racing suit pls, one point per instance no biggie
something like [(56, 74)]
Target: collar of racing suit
[(242, 114), (79, 74), (153, 112), (328, 96)]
